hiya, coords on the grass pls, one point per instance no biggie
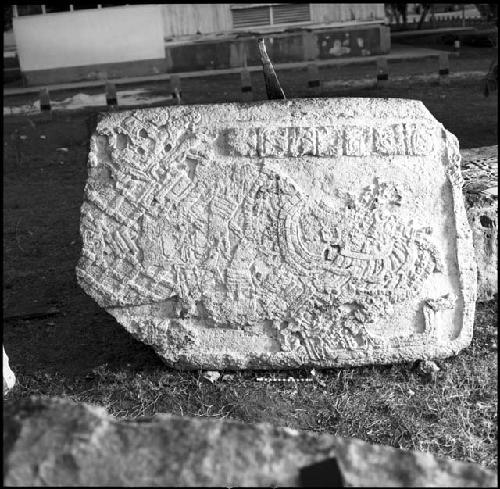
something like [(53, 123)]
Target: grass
[(79, 352), (452, 414)]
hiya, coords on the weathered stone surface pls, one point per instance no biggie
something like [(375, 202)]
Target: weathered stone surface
[(281, 234), (480, 173), (53, 442), (9, 379)]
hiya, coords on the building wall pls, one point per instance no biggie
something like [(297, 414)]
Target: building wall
[(89, 37), (347, 12), (189, 19), (181, 19), (137, 40)]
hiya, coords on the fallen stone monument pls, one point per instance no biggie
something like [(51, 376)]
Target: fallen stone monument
[(54, 442), (9, 379), (319, 232), (480, 173)]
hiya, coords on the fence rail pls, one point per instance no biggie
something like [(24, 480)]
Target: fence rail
[(440, 22)]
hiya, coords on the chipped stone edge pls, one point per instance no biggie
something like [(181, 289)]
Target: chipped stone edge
[(466, 256), (306, 446), (9, 378)]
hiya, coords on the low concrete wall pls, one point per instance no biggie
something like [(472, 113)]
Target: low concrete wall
[(289, 47), (101, 71)]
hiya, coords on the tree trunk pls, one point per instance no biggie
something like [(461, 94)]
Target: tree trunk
[(425, 9)]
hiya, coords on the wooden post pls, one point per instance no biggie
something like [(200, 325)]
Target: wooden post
[(444, 69), (314, 82), (382, 72), (273, 87), (246, 86), (45, 100), (456, 46), (175, 86), (110, 91), (309, 46), (44, 10), (15, 12), (243, 54)]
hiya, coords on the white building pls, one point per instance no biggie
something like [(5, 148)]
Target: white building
[(134, 40)]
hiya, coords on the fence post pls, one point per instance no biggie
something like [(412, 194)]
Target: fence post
[(110, 92), (444, 69), (313, 81), (246, 86), (382, 72), (175, 86), (45, 100), (309, 47)]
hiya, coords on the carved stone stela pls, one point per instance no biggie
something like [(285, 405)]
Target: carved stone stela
[(280, 234)]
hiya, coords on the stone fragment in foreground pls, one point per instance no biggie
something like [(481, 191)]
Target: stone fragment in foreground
[(480, 172), (81, 445), (273, 235), (9, 379)]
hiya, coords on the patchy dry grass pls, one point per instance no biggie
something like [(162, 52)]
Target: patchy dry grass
[(453, 413)]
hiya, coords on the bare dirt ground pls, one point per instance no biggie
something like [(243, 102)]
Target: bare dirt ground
[(61, 343)]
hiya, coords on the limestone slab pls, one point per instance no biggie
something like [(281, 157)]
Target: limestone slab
[(9, 379), (318, 232), (56, 443), (480, 173)]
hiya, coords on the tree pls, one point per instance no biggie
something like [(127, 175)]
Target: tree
[(7, 17), (399, 9), (490, 82), (488, 11), (425, 10)]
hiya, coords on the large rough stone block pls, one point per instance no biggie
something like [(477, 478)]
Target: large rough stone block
[(281, 234), (480, 173), (56, 443), (9, 379)]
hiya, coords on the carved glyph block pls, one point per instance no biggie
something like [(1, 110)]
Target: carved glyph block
[(280, 234)]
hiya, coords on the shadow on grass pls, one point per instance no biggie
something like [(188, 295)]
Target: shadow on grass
[(50, 324)]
